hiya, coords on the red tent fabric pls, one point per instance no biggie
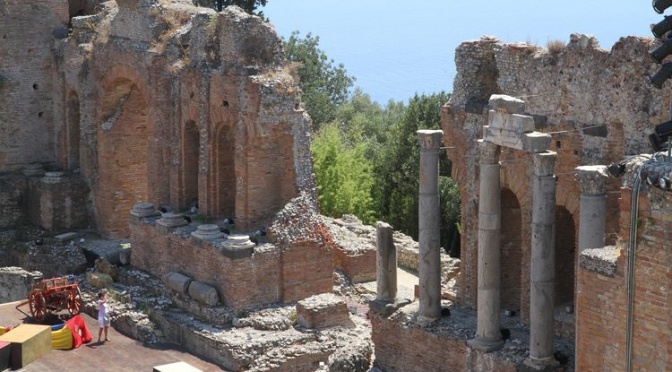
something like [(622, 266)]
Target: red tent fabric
[(80, 332)]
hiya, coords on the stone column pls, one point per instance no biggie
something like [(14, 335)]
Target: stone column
[(593, 207), (429, 222), (386, 264), (488, 333), (542, 276)]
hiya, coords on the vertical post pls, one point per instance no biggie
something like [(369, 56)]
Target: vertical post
[(593, 205), (592, 216), (488, 333), (386, 264), (542, 277), (429, 266)]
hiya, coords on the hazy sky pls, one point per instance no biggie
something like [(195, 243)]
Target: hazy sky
[(396, 48)]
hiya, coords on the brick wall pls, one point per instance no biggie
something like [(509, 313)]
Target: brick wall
[(13, 201), (26, 80), (271, 274), (402, 346), (208, 116), (602, 308), (359, 267), (59, 205)]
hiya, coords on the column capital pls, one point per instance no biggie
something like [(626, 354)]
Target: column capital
[(429, 138), (544, 163), (592, 179), (489, 152)]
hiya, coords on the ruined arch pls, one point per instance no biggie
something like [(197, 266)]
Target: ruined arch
[(191, 143), (123, 132), (511, 252), (565, 255)]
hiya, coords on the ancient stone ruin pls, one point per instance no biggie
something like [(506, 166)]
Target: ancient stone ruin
[(159, 149), (566, 264)]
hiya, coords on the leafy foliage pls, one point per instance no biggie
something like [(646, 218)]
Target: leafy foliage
[(249, 6), (366, 157), (324, 85), (397, 164), (343, 175)]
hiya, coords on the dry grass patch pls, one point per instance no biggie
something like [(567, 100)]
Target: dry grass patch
[(555, 46)]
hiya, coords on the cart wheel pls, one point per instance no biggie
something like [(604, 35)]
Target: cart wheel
[(38, 307), (75, 301)]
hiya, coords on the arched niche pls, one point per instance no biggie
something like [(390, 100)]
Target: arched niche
[(123, 133)]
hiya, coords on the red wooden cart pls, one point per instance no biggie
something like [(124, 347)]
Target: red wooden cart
[(52, 295)]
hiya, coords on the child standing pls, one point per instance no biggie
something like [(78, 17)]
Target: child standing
[(103, 316)]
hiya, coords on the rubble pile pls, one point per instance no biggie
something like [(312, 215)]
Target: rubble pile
[(350, 234)]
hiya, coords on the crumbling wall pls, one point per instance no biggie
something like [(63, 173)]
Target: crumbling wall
[(180, 106), (602, 293), (16, 283), (597, 105), (296, 264), (27, 30), (13, 201)]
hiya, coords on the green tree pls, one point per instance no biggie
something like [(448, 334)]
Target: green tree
[(396, 168), (344, 176), (250, 6), (325, 85)]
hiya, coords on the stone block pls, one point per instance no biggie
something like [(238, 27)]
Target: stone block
[(65, 237), (178, 282), (515, 122), (176, 367), (502, 137), (28, 343), (203, 293), (536, 142), (99, 280), (600, 260), (502, 102), (321, 311)]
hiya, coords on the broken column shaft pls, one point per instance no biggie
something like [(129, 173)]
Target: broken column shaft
[(386, 264), (488, 333), (593, 206), (429, 218), (542, 277)]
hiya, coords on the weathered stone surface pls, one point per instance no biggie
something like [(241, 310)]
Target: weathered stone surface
[(322, 311), (178, 282), (592, 179), (99, 280), (506, 104), (600, 260), (16, 283), (203, 293), (512, 122)]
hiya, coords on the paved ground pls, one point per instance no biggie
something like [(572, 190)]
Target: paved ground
[(121, 354), (406, 281)]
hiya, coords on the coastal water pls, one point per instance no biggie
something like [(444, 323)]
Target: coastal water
[(397, 48)]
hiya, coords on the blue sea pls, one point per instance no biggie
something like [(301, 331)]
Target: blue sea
[(398, 48)]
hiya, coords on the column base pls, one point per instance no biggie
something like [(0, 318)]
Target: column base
[(542, 364), (485, 345)]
